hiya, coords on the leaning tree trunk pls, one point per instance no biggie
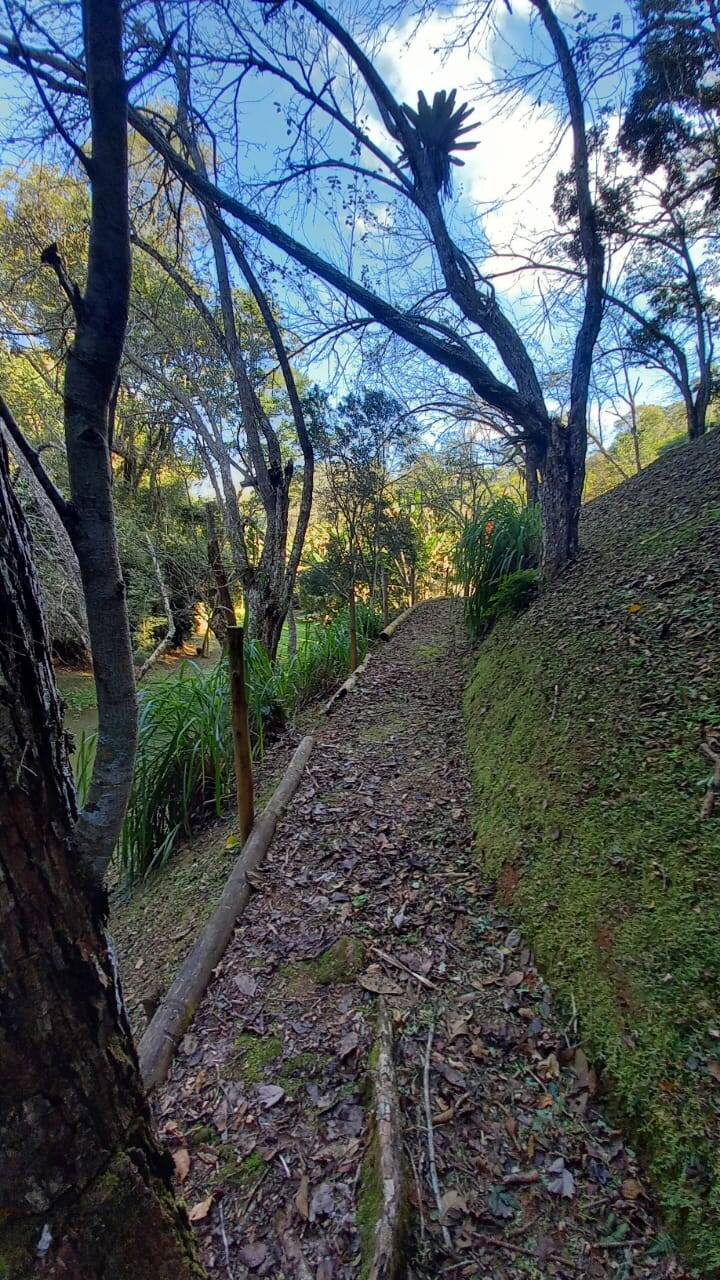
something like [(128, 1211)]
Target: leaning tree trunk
[(560, 498), (85, 1192)]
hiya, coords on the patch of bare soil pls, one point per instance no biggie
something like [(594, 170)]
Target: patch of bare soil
[(371, 886)]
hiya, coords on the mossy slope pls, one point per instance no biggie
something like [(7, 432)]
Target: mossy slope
[(583, 722)]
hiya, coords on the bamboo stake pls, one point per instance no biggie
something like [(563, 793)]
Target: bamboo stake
[(241, 732)]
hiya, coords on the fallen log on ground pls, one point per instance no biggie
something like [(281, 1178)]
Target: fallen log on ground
[(161, 1038), (348, 685), (384, 1177), (392, 627)]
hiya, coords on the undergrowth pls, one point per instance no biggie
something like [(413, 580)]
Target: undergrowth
[(184, 764), (502, 540), (584, 719)]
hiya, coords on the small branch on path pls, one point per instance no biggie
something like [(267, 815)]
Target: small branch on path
[(710, 748), (387, 1252), (431, 1137), (494, 1242), (398, 964), (556, 699)]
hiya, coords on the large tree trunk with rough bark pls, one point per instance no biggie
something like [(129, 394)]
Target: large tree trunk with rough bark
[(266, 615), (85, 1191), (560, 499)]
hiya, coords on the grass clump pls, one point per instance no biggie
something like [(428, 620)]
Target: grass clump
[(503, 538), (583, 721), (184, 765)]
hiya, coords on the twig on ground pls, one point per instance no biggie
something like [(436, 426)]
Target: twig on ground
[(710, 748), (495, 1242), (398, 964), (431, 1136), (556, 699), (418, 1189), (226, 1246), (251, 1196)]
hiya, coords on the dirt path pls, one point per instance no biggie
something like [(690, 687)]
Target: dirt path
[(266, 1107)]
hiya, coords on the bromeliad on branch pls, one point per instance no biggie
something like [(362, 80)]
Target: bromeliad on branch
[(439, 128)]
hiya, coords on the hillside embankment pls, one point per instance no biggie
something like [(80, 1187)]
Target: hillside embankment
[(585, 720)]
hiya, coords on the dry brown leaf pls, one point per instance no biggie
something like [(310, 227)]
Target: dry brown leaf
[(632, 1189), (201, 1210), (443, 1117), (373, 979), (302, 1197), (549, 1067), (181, 1160)]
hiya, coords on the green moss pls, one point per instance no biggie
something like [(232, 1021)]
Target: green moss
[(428, 652), (203, 1134), (369, 1205), (18, 1238), (241, 1174), (381, 732), (254, 1053), (339, 965), (297, 1071), (588, 816)]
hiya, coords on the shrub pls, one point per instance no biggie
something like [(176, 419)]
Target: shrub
[(512, 596), (502, 539)]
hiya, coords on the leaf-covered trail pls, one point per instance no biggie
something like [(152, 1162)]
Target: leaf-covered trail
[(372, 875)]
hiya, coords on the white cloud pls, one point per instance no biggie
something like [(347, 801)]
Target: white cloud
[(508, 180)]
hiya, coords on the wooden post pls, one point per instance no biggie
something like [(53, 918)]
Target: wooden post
[(447, 579), (412, 585), (384, 590), (241, 732), (353, 630)]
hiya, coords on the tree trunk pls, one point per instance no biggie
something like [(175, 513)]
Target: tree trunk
[(292, 631), (560, 497), (224, 614), (532, 480), (91, 373), (413, 594), (265, 617), (85, 1192), (352, 627), (384, 589)]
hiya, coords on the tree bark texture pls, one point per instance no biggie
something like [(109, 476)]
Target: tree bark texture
[(85, 1192), (91, 374)]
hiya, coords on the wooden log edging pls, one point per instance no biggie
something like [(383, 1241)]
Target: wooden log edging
[(391, 628), (387, 1252), (348, 685), (160, 1039)]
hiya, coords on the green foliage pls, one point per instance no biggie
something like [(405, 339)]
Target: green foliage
[(184, 765), (512, 596), (503, 538), (657, 430)]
